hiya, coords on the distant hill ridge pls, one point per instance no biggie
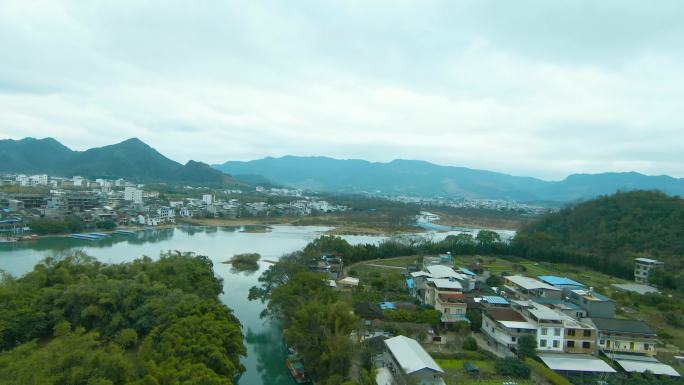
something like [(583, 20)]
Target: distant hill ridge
[(422, 178), (131, 159)]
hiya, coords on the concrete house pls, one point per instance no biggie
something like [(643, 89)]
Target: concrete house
[(595, 304), (410, 364), (529, 288), (643, 268), (446, 296), (505, 326), (625, 336)]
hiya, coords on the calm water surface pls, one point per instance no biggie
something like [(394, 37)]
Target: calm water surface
[(265, 359)]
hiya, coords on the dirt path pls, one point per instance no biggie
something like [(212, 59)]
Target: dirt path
[(385, 266)]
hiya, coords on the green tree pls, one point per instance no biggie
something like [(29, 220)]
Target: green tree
[(527, 346), (513, 367)]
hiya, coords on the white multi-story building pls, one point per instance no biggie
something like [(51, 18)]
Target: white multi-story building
[(22, 180), (643, 268), (79, 181), (133, 194), (39, 180), (166, 215), (208, 199), (554, 331)]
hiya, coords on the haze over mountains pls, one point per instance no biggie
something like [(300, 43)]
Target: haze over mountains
[(131, 159), (426, 179), (136, 160)]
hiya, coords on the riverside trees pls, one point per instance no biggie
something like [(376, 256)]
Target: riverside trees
[(76, 320)]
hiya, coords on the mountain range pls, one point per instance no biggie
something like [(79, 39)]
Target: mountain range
[(135, 160), (414, 177), (130, 159)]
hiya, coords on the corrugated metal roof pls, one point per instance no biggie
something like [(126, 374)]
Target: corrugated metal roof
[(622, 325), (410, 355), (495, 299), (654, 367), (518, 324), (529, 283), (575, 363), (559, 281), (443, 283), (441, 271)]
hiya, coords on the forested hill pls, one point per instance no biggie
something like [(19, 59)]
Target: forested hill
[(608, 232), (130, 159), (415, 177), (78, 321)]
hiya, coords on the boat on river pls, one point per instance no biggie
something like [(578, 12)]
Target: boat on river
[(124, 232), (296, 367), (89, 236)]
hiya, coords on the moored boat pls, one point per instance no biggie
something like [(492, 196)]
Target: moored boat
[(296, 367)]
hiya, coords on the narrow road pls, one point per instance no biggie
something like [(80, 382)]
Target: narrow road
[(385, 266)]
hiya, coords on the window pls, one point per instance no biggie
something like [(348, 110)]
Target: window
[(556, 331), (571, 332), (446, 310), (631, 346), (513, 339), (587, 333), (571, 344), (542, 343), (556, 343), (586, 345), (646, 346), (544, 331)]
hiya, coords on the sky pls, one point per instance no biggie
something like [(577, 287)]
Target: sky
[(538, 88)]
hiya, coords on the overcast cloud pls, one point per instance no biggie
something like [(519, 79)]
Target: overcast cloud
[(541, 88)]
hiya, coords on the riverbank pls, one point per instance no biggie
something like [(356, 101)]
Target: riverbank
[(490, 222), (341, 225)]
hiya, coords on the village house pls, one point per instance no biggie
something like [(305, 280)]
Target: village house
[(505, 326), (625, 336), (643, 268), (595, 304), (446, 296), (410, 364), (529, 288)]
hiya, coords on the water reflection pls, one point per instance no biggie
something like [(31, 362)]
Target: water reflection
[(270, 355)]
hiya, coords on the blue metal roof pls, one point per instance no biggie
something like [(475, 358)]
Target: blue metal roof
[(466, 271), (559, 281), (409, 283), (495, 299), (388, 305)]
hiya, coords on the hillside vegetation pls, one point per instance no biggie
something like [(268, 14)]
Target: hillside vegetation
[(131, 159), (608, 232), (415, 177), (78, 321)]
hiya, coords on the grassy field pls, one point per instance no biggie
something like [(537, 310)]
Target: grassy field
[(456, 375), (342, 225), (480, 218), (533, 269)]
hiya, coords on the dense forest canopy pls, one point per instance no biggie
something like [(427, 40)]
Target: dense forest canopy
[(75, 320), (608, 232)]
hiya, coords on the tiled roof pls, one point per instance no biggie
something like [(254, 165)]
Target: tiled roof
[(505, 314), (622, 326)]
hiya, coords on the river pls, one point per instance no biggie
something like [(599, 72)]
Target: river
[(265, 361), (265, 354)]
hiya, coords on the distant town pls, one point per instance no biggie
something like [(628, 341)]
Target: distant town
[(109, 203), (486, 204)]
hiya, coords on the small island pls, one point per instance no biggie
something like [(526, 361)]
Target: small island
[(245, 262)]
